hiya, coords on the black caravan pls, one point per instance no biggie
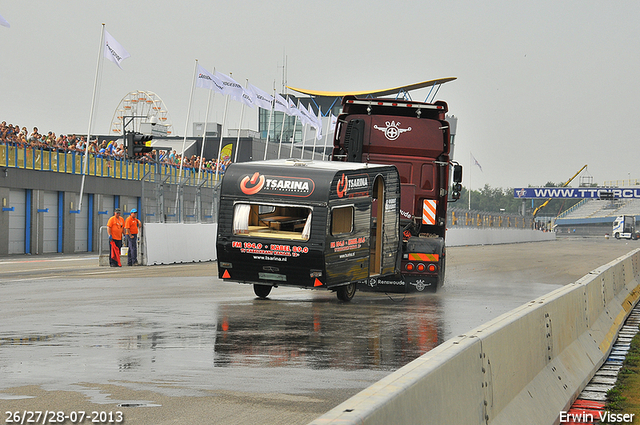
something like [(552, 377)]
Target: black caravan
[(319, 225)]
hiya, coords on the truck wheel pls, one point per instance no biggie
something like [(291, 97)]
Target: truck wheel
[(262, 291), (440, 282), (346, 292), (617, 235)]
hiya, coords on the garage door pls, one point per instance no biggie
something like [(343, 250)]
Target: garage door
[(17, 221), (82, 226), (50, 220)]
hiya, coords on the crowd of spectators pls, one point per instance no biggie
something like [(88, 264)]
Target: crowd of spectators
[(14, 135)]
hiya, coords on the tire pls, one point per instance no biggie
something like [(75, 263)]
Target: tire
[(617, 235), (441, 271), (346, 292), (262, 291)]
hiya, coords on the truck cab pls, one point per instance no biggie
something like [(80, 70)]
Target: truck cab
[(416, 138), (624, 227)]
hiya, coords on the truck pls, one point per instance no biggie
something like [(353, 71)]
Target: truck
[(372, 218), (415, 137), (624, 227)]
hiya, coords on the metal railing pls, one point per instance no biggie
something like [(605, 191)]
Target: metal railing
[(480, 219), (190, 200), (72, 162)]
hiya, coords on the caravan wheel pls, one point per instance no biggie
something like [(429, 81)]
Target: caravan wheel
[(262, 291), (346, 292)]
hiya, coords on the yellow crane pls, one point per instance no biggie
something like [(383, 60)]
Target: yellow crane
[(535, 212)]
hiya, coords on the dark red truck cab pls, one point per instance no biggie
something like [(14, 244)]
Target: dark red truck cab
[(416, 138)]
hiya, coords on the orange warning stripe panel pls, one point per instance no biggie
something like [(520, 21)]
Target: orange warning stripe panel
[(429, 211), (417, 256)]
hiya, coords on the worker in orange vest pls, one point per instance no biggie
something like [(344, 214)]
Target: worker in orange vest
[(131, 229), (115, 226)]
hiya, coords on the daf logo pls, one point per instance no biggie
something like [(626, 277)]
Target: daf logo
[(392, 131)]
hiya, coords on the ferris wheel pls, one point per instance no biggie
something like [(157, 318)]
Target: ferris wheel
[(141, 104)]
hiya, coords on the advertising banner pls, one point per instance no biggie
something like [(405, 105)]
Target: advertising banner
[(576, 193)]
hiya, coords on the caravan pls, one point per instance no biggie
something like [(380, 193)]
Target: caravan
[(316, 225)]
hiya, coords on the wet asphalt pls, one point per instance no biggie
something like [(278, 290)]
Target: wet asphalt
[(174, 344)]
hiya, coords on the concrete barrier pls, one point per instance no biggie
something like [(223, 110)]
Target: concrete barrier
[(525, 366), (167, 243), (461, 236)]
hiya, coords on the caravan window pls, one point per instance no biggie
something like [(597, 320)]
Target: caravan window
[(272, 221), (342, 220)]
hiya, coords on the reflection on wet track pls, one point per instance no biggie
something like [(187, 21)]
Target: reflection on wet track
[(323, 334)]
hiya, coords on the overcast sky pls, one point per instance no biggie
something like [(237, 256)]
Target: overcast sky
[(542, 87)]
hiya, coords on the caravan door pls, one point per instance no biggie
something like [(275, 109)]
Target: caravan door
[(348, 236)]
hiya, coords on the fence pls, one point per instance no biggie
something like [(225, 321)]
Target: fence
[(72, 162), (480, 219), (190, 200)]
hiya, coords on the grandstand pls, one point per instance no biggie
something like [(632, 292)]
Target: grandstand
[(594, 217)]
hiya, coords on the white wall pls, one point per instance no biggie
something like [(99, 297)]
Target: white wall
[(167, 243), (461, 236)]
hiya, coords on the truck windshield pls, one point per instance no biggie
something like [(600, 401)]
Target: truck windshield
[(272, 221)]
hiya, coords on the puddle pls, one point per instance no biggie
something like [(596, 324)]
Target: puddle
[(14, 397), (139, 405)]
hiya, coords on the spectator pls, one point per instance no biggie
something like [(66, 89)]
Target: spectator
[(34, 136)]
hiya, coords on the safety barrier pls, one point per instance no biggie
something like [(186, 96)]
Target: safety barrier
[(167, 243), (461, 236), (525, 366)]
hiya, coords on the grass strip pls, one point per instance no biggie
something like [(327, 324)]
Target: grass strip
[(624, 397)]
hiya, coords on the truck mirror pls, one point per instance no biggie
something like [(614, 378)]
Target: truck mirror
[(457, 173)]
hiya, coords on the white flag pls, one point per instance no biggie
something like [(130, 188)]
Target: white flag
[(332, 123), (280, 104), (4, 22), (293, 110), (113, 50), (307, 117), (231, 86), (248, 98), (319, 127), (261, 98), (207, 80)]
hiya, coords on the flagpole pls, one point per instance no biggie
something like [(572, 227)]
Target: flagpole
[(469, 180), (266, 145), (204, 133), (224, 119), (313, 155), (284, 117), (304, 134), (304, 140), (326, 138), (235, 154), (93, 101), (294, 133), (184, 140), (186, 125)]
